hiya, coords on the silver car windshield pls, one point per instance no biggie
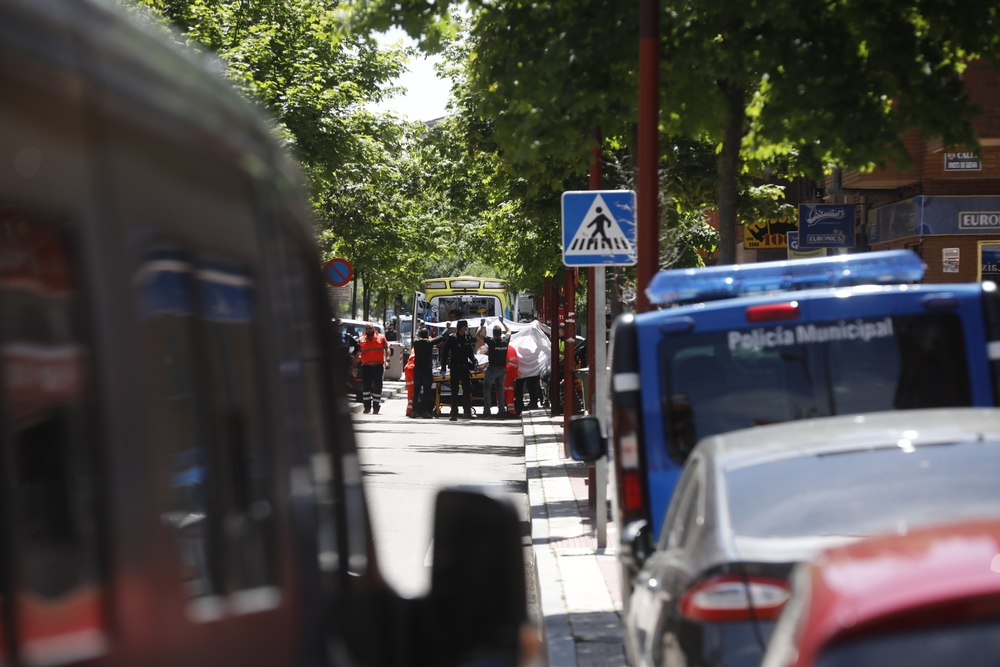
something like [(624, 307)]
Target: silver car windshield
[(865, 492)]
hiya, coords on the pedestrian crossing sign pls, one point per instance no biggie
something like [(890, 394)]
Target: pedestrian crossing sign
[(598, 228)]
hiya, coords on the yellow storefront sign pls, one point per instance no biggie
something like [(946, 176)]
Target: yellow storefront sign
[(769, 233)]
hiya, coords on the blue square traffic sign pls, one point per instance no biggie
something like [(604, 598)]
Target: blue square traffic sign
[(598, 228)]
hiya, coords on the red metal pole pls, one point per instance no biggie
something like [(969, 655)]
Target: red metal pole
[(543, 307), (569, 376), (648, 232), (554, 338)]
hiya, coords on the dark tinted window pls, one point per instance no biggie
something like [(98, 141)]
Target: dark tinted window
[(684, 516), (227, 309), (165, 288), (972, 645), (197, 327), (728, 380), (865, 492), (47, 428)]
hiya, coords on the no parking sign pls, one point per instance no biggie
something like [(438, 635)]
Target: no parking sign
[(338, 272)]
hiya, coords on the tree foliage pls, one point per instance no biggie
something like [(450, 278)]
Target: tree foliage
[(294, 58), (809, 81)]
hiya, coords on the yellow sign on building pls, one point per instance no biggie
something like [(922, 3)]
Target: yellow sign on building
[(769, 233)]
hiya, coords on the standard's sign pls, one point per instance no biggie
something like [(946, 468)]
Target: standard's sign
[(961, 162), (826, 226)]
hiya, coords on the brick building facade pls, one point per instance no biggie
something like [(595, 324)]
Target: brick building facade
[(943, 207)]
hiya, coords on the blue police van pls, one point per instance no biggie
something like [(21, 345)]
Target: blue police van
[(743, 346)]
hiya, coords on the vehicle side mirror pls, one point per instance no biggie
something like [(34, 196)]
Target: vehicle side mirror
[(477, 602), (585, 440), (636, 545)]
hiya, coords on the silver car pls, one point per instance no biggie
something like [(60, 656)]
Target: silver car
[(751, 504)]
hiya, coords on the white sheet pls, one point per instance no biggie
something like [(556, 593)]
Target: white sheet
[(533, 350)]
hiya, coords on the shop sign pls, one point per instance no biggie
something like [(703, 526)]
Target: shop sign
[(962, 162), (768, 233), (989, 261), (923, 216), (979, 220), (794, 252), (949, 260), (826, 226)]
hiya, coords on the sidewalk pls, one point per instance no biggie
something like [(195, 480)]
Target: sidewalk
[(578, 584)]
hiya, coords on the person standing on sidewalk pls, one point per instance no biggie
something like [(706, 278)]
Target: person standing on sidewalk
[(423, 373), (496, 372), (459, 351), (390, 333), (374, 355)]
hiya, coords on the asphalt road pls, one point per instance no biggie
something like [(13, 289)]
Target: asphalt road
[(406, 461)]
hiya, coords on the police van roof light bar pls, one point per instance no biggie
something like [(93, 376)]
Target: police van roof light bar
[(887, 267)]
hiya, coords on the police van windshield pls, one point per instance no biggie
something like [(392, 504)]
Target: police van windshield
[(727, 380), (465, 307)]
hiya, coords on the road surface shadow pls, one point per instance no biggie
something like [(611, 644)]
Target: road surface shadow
[(474, 448)]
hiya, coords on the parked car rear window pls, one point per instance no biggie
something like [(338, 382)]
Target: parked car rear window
[(865, 492), (968, 645), (727, 380)]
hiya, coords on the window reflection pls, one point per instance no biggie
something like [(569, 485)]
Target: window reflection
[(47, 430), (164, 285), (197, 324)]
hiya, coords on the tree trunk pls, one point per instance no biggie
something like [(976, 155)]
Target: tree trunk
[(354, 298), (367, 300), (728, 166)]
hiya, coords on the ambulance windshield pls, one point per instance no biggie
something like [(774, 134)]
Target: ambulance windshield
[(465, 307)]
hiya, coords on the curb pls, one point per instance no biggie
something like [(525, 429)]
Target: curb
[(580, 618)]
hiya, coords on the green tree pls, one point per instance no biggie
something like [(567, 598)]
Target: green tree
[(818, 81), (810, 80), (294, 58)]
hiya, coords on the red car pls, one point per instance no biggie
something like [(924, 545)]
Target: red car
[(931, 597)]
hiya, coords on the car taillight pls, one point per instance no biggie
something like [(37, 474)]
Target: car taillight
[(626, 440), (732, 597), (631, 492)]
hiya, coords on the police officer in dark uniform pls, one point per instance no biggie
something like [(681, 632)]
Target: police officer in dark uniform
[(496, 372), (423, 376), (459, 351)]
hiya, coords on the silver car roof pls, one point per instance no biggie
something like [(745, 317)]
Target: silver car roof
[(900, 428)]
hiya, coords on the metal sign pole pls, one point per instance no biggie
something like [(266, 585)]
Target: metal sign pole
[(601, 362)]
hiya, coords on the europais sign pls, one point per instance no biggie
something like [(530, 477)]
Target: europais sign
[(826, 226)]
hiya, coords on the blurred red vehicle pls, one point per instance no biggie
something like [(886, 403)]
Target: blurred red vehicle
[(931, 597)]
